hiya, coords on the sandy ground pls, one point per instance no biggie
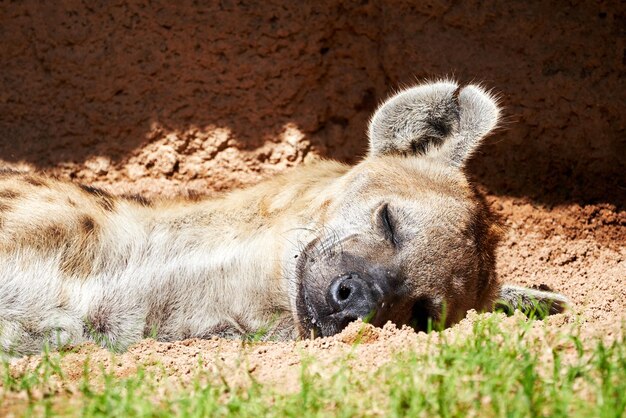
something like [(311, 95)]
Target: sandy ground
[(576, 250)]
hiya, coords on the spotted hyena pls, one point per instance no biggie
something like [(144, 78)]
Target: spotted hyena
[(401, 236)]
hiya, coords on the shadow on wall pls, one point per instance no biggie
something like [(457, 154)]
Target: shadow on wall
[(133, 90)]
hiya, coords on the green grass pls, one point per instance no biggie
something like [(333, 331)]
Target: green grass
[(494, 371)]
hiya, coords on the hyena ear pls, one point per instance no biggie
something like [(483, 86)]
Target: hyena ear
[(532, 302), (439, 120)]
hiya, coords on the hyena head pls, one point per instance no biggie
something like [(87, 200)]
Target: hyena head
[(405, 238)]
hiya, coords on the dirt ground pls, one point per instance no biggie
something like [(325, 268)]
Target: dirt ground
[(198, 99)]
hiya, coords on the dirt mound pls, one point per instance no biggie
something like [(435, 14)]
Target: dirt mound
[(577, 250)]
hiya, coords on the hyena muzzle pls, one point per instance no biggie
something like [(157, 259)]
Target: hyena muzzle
[(402, 237)]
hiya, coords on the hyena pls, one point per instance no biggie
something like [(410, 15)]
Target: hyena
[(401, 236)]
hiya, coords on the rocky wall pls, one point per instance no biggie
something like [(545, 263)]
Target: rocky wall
[(211, 95)]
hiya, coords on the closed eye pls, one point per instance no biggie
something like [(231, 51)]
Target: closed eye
[(385, 223)]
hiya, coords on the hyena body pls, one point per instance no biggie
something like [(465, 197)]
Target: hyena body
[(80, 264), (399, 237)]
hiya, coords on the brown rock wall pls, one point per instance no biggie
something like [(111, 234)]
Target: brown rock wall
[(217, 94)]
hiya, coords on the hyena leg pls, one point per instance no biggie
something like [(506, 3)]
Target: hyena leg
[(19, 338), (534, 302)]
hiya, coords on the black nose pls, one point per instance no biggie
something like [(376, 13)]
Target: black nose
[(351, 298)]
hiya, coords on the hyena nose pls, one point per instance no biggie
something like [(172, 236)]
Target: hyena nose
[(351, 298)]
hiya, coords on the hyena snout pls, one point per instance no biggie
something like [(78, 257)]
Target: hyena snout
[(376, 300), (351, 297)]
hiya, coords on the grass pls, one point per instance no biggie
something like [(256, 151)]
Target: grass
[(493, 371)]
